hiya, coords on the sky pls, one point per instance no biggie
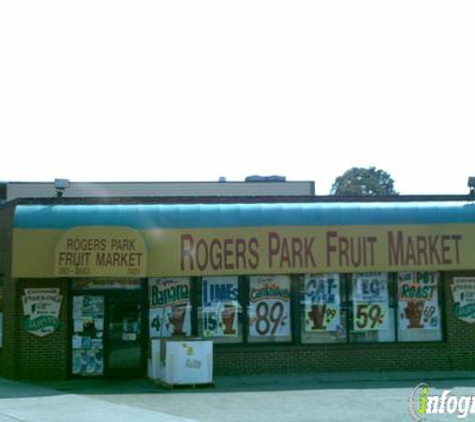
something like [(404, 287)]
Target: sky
[(196, 90)]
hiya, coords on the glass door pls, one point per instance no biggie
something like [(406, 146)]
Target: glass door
[(124, 335)]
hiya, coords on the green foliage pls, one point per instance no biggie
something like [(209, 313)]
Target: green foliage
[(364, 182)]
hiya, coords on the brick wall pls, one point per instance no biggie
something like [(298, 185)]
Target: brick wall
[(8, 349), (24, 356), (326, 358), (44, 358)]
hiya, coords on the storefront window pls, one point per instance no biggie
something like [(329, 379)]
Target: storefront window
[(170, 307), (323, 318), (419, 316), (220, 314), (374, 306), (269, 309), (372, 311)]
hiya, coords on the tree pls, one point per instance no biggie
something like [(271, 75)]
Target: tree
[(364, 182)]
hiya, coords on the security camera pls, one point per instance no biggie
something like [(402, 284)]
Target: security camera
[(471, 184), (61, 185)]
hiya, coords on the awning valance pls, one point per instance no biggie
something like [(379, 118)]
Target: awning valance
[(142, 217)]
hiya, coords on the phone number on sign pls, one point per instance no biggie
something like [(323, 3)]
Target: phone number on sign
[(87, 271)]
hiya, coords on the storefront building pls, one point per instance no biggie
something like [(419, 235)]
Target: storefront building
[(278, 286)]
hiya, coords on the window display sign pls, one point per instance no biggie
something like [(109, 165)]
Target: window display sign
[(87, 341), (322, 302), (463, 291), (170, 308), (418, 301), (220, 307), (370, 302), (41, 310), (269, 306)]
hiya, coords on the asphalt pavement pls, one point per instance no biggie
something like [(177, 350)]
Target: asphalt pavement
[(354, 396)]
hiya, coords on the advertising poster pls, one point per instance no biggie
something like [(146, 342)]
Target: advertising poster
[(88, 362), (87, 340), (370, 302), (88, 306), (418, 301), (463, 292), (220, 306), (269, 306), (41, 311), (322, 302), (170, 308)]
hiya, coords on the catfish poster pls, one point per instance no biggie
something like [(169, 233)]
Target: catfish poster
[(322, 302)]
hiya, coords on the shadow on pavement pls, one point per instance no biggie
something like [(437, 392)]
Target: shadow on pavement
[(13, 389), (262, 383)]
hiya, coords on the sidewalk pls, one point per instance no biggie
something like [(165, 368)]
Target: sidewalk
[(271, 382), (23, 402), (355, 396), (336, 380)]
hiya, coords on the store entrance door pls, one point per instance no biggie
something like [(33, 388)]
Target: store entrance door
[(124, 351)]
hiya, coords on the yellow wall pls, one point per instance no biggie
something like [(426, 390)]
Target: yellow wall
[(121, 251)]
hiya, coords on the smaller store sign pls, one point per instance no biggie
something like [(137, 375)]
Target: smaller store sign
[(463, 291), (41, 308), (269, 307), (322, 302), (370, 302), (100, 252), (418, 301), (220, 307), (170, 308)]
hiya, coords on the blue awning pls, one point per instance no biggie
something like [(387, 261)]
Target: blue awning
[(147, 216)]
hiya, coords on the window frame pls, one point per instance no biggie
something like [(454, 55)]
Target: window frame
[(297, 309)]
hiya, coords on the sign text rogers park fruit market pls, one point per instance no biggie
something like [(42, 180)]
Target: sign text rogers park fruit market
[(333, 249)]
